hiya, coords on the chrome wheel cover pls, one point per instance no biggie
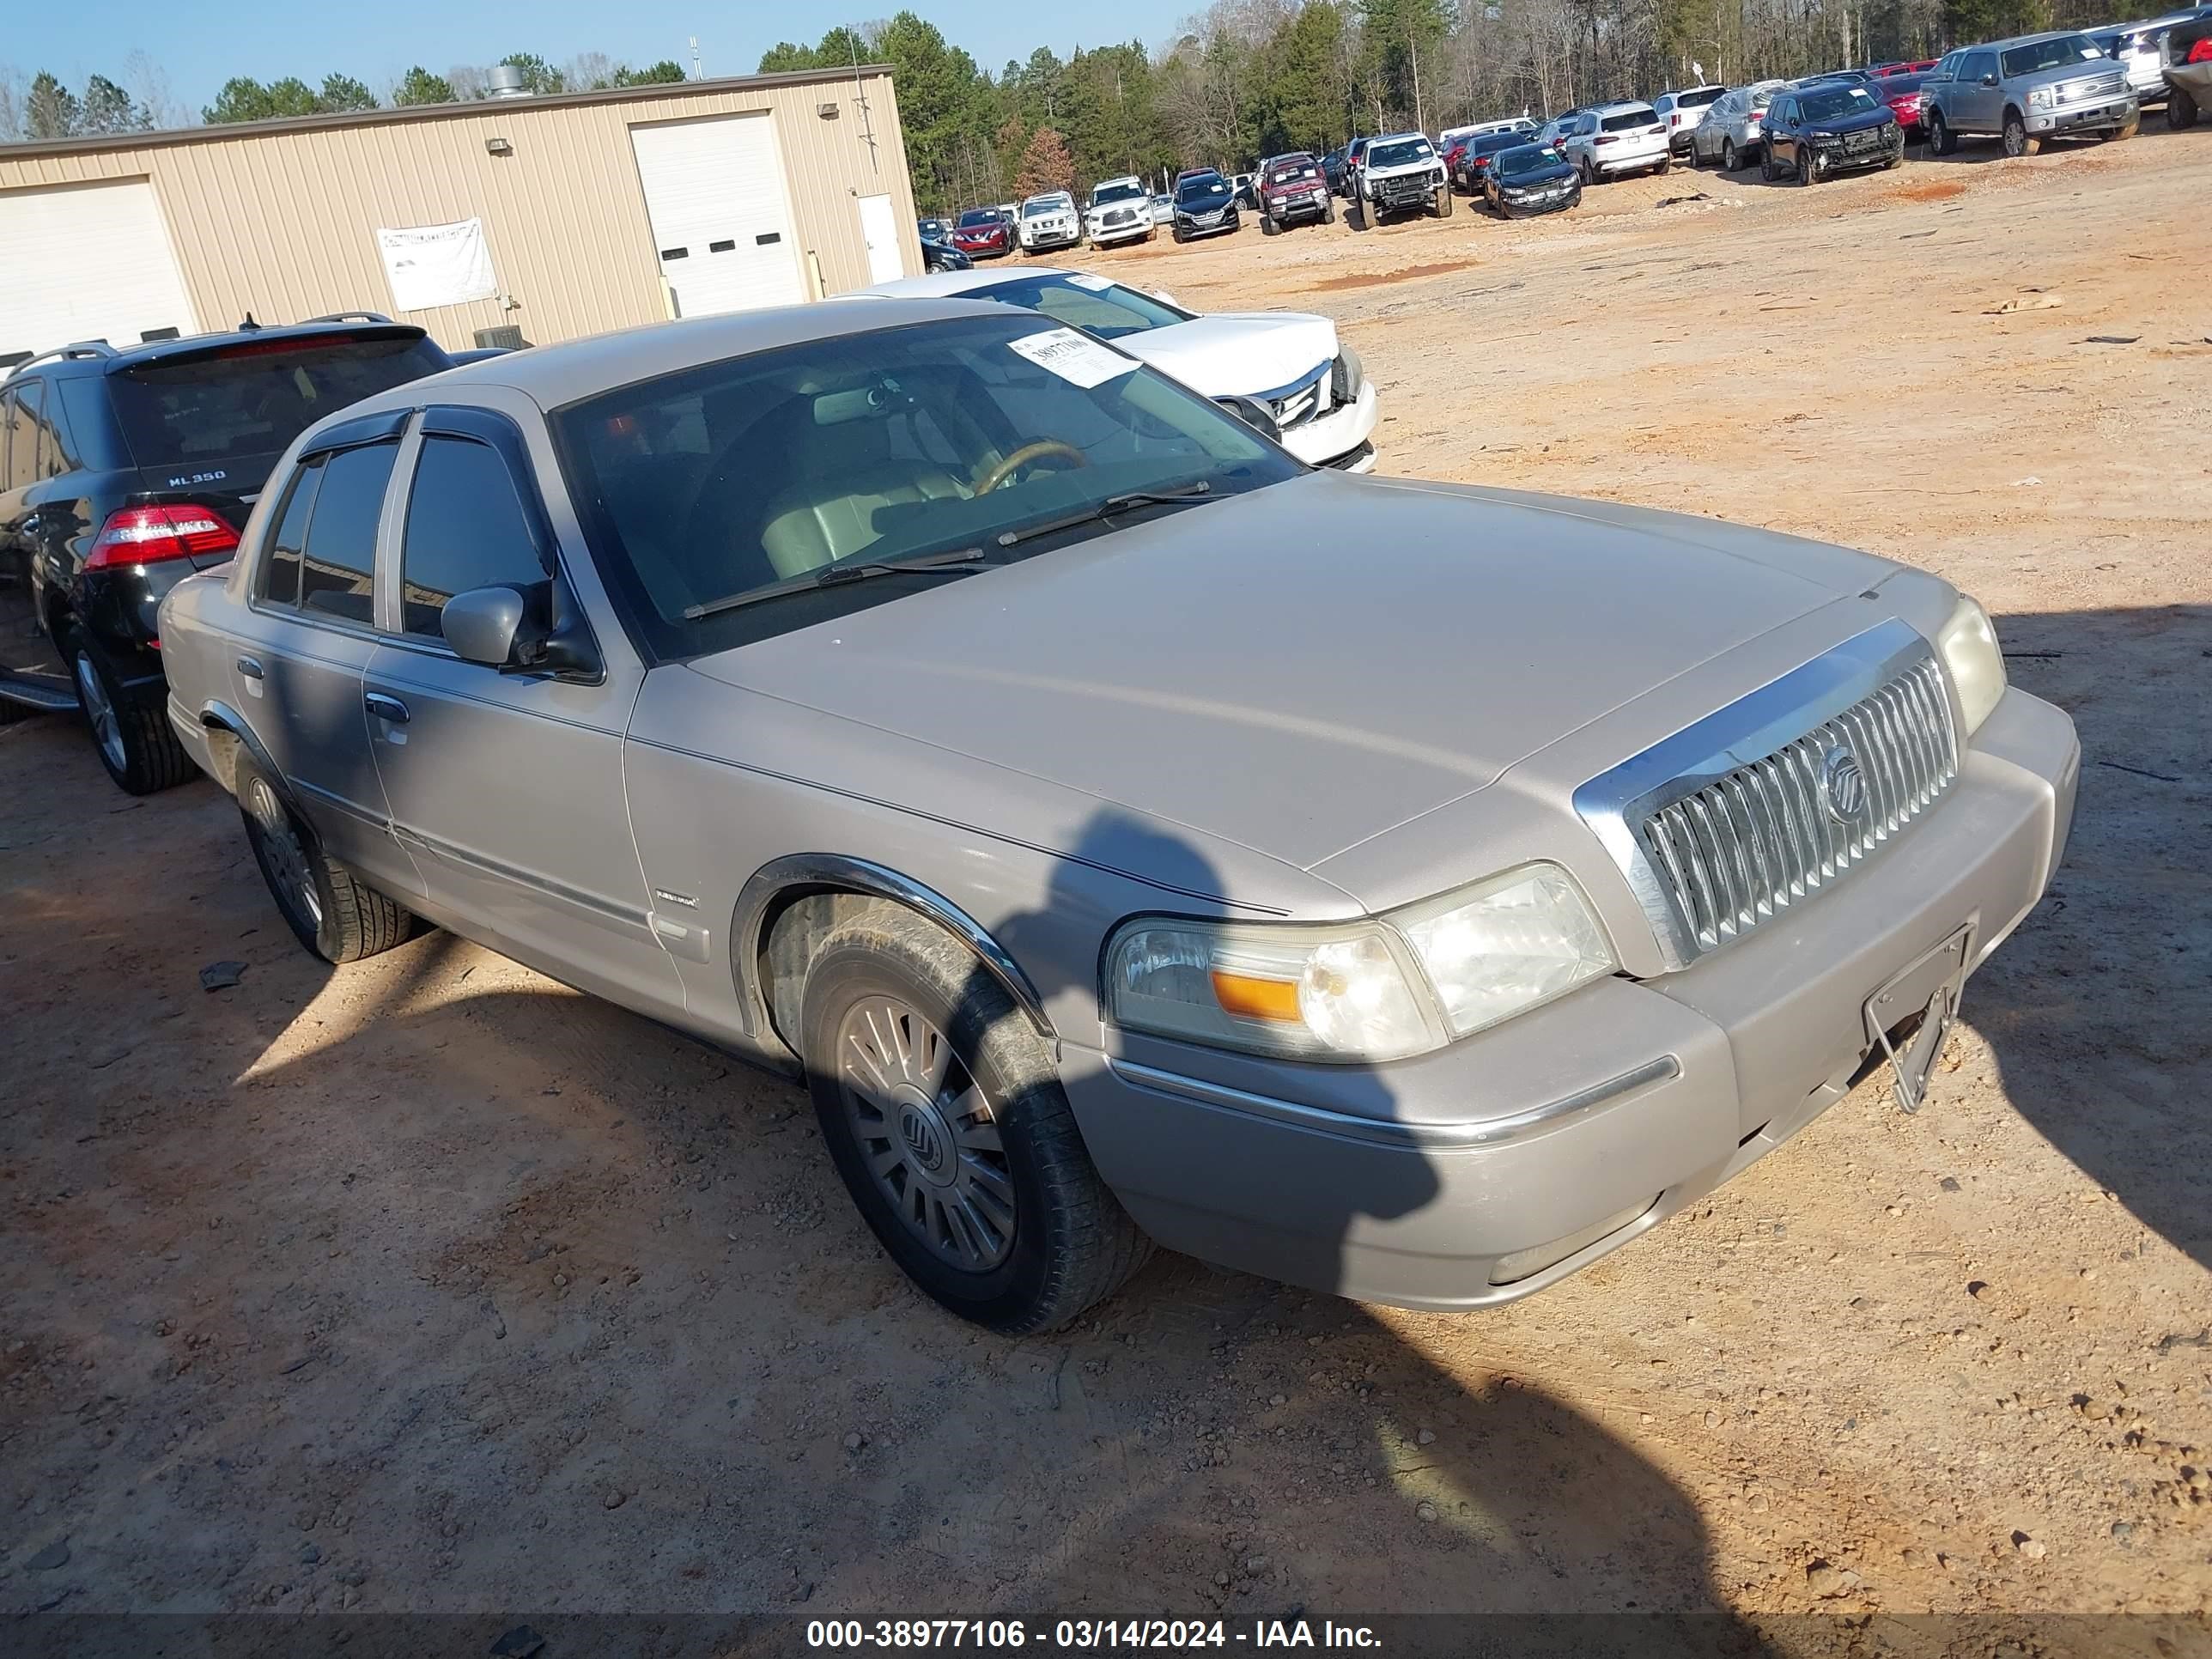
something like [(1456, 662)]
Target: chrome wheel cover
[(284, 861), (926, 1131), (107, 729)]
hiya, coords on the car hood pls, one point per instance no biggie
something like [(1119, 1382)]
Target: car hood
[(1399, 169), (1237, 353), (1856, 121), (1535, 178), (1251, 670)]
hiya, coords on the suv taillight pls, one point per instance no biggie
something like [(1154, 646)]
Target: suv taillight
[(150, 535)]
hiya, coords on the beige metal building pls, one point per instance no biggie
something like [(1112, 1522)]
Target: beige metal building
[(559, 215)]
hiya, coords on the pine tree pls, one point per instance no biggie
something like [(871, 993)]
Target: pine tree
[(419, 86), (50, 110)]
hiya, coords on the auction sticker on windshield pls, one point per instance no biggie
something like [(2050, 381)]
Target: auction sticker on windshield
[(1096, 284), (1076, 358)]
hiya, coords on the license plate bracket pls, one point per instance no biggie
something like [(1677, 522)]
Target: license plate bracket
[(1930, 987)]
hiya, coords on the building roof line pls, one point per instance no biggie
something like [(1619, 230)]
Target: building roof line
[(217, 132)]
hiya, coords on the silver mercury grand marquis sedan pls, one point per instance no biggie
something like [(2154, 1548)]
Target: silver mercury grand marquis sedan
[(1405, 890)]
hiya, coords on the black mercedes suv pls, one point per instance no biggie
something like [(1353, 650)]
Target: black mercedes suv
[(123, 468)]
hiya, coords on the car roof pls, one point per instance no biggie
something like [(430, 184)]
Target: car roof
[(87, 357), (2027, 39), (944, 284), (552, 376), (1615, 107), (1393, 138)]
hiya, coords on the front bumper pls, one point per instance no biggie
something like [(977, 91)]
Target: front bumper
[(1321, 440), (1836, 161), (1402, 195), (1290, 209), (1569, 1131), (2112, 112), (1106, 236), (1045, 242), (1192, 229)]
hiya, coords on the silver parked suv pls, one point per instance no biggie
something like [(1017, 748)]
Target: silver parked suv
[(2026, 90), (1405, 890)]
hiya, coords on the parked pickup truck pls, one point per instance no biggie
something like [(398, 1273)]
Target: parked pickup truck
[(1400, 174), (2025, 91)]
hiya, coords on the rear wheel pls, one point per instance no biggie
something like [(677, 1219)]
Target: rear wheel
[(943, 1113), (328, 910), (134, 742), (1666, 163), (2017, 143)]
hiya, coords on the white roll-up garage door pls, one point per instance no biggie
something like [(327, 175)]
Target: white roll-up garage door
[(86, 261), (722, 221)]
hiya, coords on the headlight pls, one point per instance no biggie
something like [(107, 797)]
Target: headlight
[(1970, 651), (2042, 98), (1381, 989)]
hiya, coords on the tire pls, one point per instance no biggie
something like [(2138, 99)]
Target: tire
[(1666, 165), (1328, 211), (1766, 168), (1443, 206), (1175, 231), (1809, 170), (2127, 128), (2017, 143), (2180, 109), (978, 1186), (1941, 141), (134, 742), (330, 911), (1729, 160)]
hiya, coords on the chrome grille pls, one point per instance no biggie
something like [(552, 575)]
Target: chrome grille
[(1717, 844), (1750, 845), (2099, 86)]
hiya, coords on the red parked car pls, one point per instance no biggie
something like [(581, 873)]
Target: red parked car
[(1905, 68), (983, 233), (1902, 94)]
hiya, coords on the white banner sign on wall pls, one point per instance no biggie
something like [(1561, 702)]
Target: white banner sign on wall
[(437, 264)]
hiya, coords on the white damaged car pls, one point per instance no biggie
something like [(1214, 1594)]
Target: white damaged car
[(1292, 363), (1121, 212)]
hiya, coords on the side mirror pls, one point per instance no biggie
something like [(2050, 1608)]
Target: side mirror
[(483, 624), (1988, 80), (534, 631), (1255, 414)]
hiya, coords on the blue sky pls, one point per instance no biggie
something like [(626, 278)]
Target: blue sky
[(200, 45)]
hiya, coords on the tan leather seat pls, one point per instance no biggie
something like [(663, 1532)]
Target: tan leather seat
[(846, 475)]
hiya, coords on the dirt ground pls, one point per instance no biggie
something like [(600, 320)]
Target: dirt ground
[(427, 1284)]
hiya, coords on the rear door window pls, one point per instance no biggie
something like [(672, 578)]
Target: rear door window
[(338, 564), (280, 579), (254, 397), (466, 529)]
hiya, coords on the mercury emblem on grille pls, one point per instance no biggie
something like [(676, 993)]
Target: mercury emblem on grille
[(1843, 785)]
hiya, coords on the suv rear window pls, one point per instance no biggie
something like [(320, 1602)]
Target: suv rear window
[(1629, 118), (253, 398), (1698, 97)]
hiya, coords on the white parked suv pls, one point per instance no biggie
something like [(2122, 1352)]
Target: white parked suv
[(1050, 221), (1615, 139), (1121, 212), (1682, 110), (1311, 386)]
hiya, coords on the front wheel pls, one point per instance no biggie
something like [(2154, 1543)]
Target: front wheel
[(1328, 211), (1729, 160), (943, 1113), (1941, 141), (328, 910), (2180, 109), (1267, 226), (1444, 202), (2017, 143), (133, 741), (2128, 128)]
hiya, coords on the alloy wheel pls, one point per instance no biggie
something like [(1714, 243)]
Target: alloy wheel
[(285, 857), (927, 1132), (107, 728)]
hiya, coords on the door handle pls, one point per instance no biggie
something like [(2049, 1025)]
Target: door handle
[(250, 666), (386, 708)]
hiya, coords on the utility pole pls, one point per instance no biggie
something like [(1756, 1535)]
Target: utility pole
[(698, 70)]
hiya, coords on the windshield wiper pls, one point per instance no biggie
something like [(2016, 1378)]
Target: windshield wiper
[(956, 563), (1106, 509)]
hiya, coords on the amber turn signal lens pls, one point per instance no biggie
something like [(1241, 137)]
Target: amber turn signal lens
[(1256, 999)]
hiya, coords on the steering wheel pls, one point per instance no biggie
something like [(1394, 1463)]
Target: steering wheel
[(1021, 458)]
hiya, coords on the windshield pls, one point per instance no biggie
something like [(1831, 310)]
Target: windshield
[(893, 444), (254, 397), (1200, 189), (1526, 159), (2050, 54), (1399, 153), (932, 226), (1828, 103), (1286, 173), (1105, 193), (979, 216), (1093, 304)]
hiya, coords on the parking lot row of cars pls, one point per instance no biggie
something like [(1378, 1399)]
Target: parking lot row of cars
[(2022, 92)]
